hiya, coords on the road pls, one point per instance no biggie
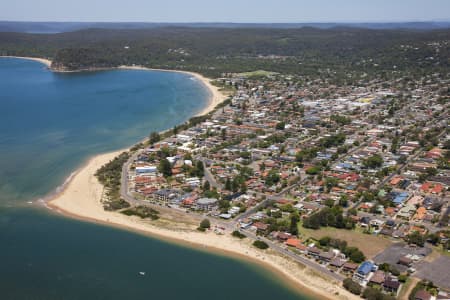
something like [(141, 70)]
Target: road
[(234, 224), (398, 171), (273, 197), (430, 227), (228, 225), (136, 202), (340, 158), (300, 259), (208, 176)]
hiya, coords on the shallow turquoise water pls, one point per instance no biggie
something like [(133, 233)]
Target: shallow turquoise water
[(49, 124)]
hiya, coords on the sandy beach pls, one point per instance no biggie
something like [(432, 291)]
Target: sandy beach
[(44, 61), (80, 198), (216, 96)]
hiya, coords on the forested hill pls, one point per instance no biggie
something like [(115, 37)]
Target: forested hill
[(58, 27), (213, 51)]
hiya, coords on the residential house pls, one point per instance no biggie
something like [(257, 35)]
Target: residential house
[(378, 278), (420, 214), (337, 262), (422, 295), (349, 267), (443, 295), (260, 228), (293, 242), (391, 284), (363, 271), (405, 261), (326, 256), (314, 252), (406, 212)]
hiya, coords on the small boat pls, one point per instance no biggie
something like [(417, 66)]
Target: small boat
[(142, 273)]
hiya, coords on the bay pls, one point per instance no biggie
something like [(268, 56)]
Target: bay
[(49, 125)]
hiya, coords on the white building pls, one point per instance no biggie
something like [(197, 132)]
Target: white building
[(207, 203)]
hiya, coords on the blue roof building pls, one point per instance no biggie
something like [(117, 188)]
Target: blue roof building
[(345, 166), (400, 198), (365, 268)]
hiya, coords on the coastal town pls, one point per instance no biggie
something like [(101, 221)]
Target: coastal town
[(225, 150), (351, 182)]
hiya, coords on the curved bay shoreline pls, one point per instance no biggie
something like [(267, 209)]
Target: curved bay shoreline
[(79, 197)]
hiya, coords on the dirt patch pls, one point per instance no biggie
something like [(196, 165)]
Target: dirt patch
[(432, 256), (407, 288), (369, 244)]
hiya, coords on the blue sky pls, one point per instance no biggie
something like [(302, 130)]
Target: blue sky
[(262, 11)]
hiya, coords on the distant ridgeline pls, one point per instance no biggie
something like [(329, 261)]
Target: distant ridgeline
[(331, 53)]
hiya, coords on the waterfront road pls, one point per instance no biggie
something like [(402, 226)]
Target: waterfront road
[(229, 225), (300, 259)]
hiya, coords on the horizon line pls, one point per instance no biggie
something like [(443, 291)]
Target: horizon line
[(245, 22)]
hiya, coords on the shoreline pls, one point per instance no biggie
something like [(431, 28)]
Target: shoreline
[(44, 61), (79, 197), (216, 97)]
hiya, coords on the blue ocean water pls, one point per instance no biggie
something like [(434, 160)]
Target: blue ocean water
[(49, 125)]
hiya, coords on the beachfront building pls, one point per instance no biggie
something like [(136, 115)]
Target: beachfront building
[(165, 195), (146, 169), (207, 204)]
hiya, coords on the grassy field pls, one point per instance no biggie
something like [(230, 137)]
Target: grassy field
[(259, 73), (440, 251), (370, 245)]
